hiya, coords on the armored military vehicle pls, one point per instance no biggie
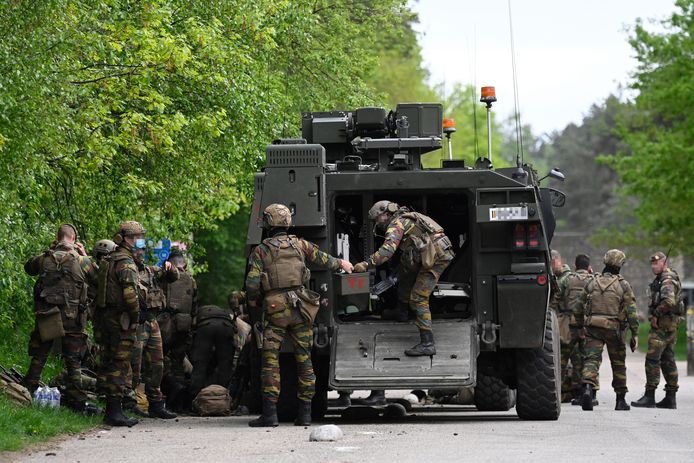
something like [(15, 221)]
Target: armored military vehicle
[(490, 317)]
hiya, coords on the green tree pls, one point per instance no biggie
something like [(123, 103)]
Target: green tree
[(660, 133)]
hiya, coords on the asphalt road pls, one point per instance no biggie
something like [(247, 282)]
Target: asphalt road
[(466, 435)]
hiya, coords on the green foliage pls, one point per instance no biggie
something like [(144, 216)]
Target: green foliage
[(22, 426), (660, 133), (159, 110)]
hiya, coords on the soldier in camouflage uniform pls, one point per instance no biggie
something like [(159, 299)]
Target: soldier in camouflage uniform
[(666, 310), (176, 321), (65, 275), (117, 314), (276, 280), (425, 253), (603, 312), (148, 354), (570, 287)]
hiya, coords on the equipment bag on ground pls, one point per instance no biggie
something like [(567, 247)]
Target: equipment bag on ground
[(214, 400)]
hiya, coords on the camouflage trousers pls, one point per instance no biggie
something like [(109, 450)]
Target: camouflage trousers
[(148, 360), (661, 356), (114, 376), (415, 285), (572, 351), (596, 338), (283, 321), (73, 345)]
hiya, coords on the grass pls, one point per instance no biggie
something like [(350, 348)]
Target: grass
[(24, 425), (680, 347)]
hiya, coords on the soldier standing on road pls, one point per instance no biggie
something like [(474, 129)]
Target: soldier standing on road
[(61, 299), (570, 288), (118, 310), (603, 312), (276, 279), (181, 304), (426, 252), (148, 353), (666, 310)]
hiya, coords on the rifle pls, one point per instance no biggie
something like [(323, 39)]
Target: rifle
[(384, 285)]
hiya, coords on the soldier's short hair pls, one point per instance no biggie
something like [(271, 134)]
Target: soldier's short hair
[(582, 261), (555, 254), (66, 231)]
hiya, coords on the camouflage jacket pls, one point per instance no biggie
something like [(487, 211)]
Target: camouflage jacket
[(152, 280), (126, 277), (397, 229), (665, 291), (627, 305), (561, 300), (311, 253)]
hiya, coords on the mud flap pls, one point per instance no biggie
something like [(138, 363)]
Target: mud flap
[(370, 355)]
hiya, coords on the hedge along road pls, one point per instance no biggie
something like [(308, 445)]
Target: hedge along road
[(602, 435)]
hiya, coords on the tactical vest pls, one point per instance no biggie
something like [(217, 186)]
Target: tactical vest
[(418, 246), (110, 292), (606, 294), (577, 282), (668, 274), (63, 283), (179, 294), (284, 265), (153, 294)]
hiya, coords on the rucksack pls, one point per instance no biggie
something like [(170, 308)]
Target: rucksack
[(213, 400), (14, 391)]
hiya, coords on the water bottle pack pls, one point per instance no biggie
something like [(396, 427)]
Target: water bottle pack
[(45, 396)]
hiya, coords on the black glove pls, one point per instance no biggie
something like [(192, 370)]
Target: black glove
[(633, 342)]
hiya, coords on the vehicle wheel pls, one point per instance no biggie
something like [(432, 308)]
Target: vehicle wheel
[(493, 395), (538, 374)]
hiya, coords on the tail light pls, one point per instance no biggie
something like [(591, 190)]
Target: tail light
[(533, 236), (542, 279), (519, 237)]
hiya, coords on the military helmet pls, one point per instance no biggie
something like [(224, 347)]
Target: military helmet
[(614, 257), (381, 207), (131, 228), (103, 248), (277, 215)]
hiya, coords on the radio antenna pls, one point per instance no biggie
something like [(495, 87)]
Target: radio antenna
[(516, 103)]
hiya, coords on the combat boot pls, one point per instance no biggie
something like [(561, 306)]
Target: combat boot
[(587, 397), (621, 403), (158, 410), (376, 398), (670, 400), (595, 398), (303, 414), (344, 400), (130, 405), (647, 401), (114, 414), (576, 400), (426, 345), (269, 417)]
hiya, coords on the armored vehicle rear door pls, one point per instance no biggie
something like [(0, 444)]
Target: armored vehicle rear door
[(370, 355)]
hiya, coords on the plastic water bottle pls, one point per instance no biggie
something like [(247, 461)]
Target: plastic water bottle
[(37, 397), (46, 397), (55, 398)]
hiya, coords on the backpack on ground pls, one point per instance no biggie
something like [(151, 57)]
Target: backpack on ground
[(214, 400)]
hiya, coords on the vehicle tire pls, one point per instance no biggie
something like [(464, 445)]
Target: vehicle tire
[(493, 395), (538, 375)]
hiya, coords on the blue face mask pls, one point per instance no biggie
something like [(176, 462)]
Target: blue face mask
[(140, 243)]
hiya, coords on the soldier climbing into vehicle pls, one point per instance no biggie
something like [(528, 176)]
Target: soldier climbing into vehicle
[(425, 253)]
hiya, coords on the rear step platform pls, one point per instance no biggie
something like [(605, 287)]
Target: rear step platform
[(371, 355)]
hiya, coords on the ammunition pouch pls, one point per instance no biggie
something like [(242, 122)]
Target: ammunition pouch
[(668, 322), (50, 324), (275, 302), (309, 304), (166, 327), (182, 322)]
